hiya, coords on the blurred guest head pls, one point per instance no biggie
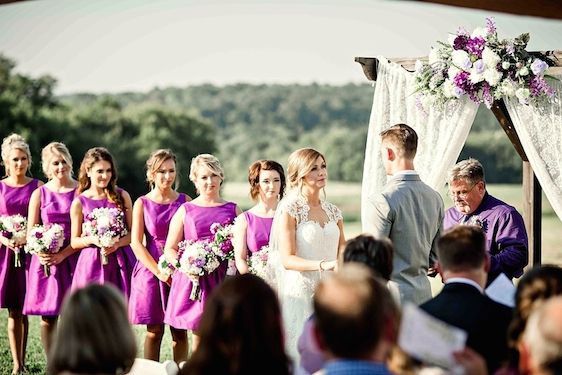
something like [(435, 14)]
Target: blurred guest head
[(541, 350), (356, 317), (240, 332), (375, 253), (94, 335)]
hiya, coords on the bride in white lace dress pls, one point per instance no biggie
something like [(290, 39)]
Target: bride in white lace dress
[(306, 235)]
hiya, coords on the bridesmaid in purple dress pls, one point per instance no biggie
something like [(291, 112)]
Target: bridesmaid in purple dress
[(97, 188), (150, 288), (15, 192), (192, 221), (50, 204), (253, 227)]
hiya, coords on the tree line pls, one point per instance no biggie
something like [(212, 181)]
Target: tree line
[(240, 123)]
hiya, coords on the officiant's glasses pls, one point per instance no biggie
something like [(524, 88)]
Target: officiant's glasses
[(462, 194)]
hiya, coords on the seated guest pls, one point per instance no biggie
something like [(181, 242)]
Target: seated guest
[(94, 335), (537, 285), (503, 226), (240, 331), (541, 351), (464, 264), (356, 321), (365, 249)]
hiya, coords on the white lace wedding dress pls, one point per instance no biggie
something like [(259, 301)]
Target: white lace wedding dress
[(296, 288)]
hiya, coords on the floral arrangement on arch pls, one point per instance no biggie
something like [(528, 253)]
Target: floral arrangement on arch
[(482, 66)]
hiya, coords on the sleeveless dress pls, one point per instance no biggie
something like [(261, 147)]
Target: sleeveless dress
[(89, 269), (182, 312), (149, 295), (257, 232), (45, 293), (296, 288), (13, 201)]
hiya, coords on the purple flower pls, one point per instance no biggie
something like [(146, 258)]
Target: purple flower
[(488, 98), (462, 31), (475, 46), (490, 25), (7, 234), (215, 227), (460, 42), (510, 49), (38, 234), (538, 86), (479, 66), (538, 67)]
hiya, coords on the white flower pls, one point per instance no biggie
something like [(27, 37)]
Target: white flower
[(477, 72), (419, 66), (538, 67), (433, 56), (505, 65), (461, 59), (479, 32), (491, 59), (492, 76), (523, 71), (522, 94), (453, 71), (508, 87)]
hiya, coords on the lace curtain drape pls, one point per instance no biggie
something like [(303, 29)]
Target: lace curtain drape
[(441, 134), (540, 132)]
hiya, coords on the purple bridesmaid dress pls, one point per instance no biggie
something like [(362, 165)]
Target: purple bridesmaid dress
[(13, 201), (182, 312), (257, 232), (45, 293), (89, 269), (149, 295)]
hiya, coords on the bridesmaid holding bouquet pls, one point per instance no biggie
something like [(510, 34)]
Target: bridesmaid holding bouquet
[(15, 193), (193, 221), (152, 214), (253, 227), (101, 261), (50, 275)]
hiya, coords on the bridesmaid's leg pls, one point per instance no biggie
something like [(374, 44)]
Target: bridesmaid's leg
[(194, 341), (48, 326), (179, 344), (152, 341), (17, 335)]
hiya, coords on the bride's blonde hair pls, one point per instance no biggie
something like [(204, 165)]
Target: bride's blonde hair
[(300, 164)]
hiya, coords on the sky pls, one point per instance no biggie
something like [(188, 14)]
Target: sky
[(135, 45)]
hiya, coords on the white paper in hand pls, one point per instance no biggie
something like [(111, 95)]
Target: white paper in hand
[(502, 291), (429, 339)]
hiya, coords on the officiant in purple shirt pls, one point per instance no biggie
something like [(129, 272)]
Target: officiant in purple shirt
[(506, 237)]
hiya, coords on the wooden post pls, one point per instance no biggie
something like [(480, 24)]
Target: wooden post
[(532, 211)]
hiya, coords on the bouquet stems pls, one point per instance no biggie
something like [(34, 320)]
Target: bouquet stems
[(104, 260), (195, 290), (17, 258), (231, 268), (47, 270)]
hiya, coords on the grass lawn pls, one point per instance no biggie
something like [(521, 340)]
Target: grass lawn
[(347, 197)]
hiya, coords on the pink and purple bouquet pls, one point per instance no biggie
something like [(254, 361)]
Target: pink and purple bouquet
[(14, 227), (45, 239), (222, 244), (257, 262), (195, 259), (107, 224), (482, 66), (164, 267)]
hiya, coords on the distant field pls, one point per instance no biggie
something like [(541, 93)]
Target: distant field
[(344, 195)]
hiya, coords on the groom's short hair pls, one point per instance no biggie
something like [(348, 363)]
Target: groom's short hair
[(404, 138), (462, 248), (353, 311)]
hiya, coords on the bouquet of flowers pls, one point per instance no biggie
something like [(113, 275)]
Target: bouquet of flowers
[(257, 262), (107, 224), (222, 244), (482, 66), (14, 227), (45, 239), (196, 258), (166, 268)]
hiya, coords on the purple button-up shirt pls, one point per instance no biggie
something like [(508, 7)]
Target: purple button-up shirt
[(506, 237)]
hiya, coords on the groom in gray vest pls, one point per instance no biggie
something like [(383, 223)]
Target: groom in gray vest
[(408, 212)]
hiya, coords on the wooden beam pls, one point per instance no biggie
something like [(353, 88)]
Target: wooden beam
[(532, 213), (500, 111), (537, 8)]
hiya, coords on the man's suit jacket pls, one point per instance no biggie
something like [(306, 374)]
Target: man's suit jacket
[(410, 213), (485, 320)]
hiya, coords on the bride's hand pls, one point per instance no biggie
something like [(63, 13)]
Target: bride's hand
[(329, 265)]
